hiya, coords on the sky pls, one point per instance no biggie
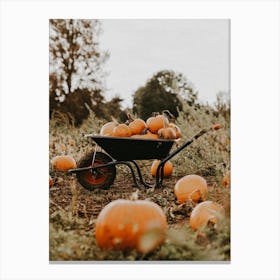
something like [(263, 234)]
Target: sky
[(139, 48)]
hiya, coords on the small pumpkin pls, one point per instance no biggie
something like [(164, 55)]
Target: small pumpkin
[(155, 123), (136, 125), (167, 169), (108, 128), (191, 187), (63, 163), (126, 225), (122, 130), (176, 129), (204, 213), (166, 132)]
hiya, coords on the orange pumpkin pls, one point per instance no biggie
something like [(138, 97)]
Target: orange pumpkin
[(108, 128), (167, 169), (136, 125), (191, 187), (154, 124), (63, 163), (122, 130), (176, 129), (125, 225), (166, 133), (205, 212)]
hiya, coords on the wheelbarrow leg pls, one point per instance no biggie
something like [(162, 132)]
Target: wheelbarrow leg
[(131, 170), (155, 185)]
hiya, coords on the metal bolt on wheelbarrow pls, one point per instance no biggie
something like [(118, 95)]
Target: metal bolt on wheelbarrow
[(97, 169)]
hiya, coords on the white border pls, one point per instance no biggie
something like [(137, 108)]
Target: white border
[(255, 138)]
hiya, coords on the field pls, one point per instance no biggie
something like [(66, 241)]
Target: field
[(73, 210)]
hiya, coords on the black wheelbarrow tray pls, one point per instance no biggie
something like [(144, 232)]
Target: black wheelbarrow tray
[(97, 169)]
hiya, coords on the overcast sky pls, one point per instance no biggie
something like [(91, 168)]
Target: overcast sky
[(139, 48)]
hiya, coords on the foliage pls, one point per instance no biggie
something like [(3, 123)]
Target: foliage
[(222, 105), (76, 77), (165, 90)]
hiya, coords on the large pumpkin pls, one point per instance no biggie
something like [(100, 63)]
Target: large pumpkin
[(125, 225), (63, 163), (205, 212), (191, 187), (167, 169)]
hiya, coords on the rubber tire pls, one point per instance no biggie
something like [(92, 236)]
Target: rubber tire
[(107, 175)]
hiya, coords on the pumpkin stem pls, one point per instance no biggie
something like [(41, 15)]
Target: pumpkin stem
[(154, 114), (195, 195), (114, 120), (130, 118), (165, 122), (168, 114)]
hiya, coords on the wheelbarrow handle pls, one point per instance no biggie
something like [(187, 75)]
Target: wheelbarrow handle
[(184, 145)]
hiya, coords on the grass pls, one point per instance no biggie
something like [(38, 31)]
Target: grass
[(73, 209)]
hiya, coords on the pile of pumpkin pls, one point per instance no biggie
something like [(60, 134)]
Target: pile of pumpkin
[(142, 225), (156, 127)]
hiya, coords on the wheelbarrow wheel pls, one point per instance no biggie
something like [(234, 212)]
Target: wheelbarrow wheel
[(100, 178)]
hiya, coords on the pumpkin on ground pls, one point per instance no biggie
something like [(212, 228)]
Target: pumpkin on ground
[(63, 163), (167, 169), (126, 225), (191, 187), (204, 213)]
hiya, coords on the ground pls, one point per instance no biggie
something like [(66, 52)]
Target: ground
[(74, 209)]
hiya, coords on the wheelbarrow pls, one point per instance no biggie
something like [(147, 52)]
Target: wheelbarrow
[(97, 169)]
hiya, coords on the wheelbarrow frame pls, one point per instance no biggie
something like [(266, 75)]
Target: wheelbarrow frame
[(131, 163)]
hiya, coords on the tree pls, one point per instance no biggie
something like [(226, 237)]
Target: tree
[(222, 104), (76, 78), (165, 90)]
